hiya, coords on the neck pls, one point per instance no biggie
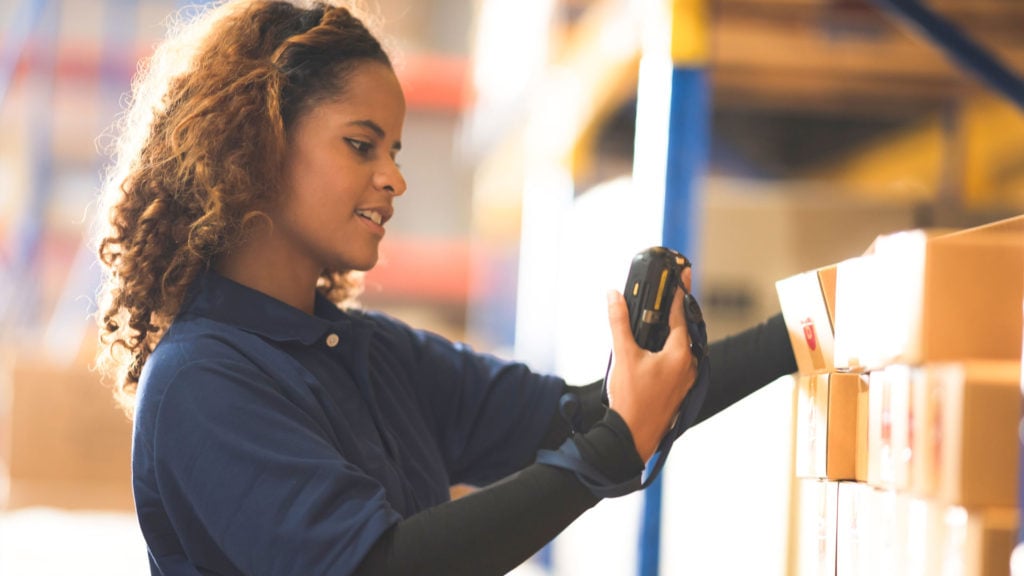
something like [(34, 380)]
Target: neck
[(259, 266)]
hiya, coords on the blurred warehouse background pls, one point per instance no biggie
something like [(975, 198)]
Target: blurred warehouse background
[(534, 140)]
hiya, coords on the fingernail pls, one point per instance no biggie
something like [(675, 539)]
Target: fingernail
[(612, 296)]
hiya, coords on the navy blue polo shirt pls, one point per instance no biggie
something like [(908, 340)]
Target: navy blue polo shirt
[(271, 441)]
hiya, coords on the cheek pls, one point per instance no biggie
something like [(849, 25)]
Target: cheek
[(310, 186)]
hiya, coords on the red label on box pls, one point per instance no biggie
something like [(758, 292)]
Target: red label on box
[(810, 335)]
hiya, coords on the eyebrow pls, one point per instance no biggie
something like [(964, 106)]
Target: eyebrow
[(376, 129)]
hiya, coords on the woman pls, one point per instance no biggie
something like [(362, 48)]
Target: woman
[(279, 430)]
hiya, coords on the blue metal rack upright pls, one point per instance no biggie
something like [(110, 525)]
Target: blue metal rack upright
[(685, 160)]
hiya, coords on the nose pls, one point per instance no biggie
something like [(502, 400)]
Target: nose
[(391, 180)]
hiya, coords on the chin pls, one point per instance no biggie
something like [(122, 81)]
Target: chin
[(360, 264)]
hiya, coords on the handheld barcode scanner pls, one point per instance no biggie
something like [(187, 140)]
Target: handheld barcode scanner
[(654, 275), (651, 284)]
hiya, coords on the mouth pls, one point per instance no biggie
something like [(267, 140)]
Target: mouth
[(375, 215)]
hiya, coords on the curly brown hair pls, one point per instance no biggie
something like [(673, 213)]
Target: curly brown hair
[(198, 153)]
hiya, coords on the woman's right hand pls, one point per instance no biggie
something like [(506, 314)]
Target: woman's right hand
[(646, 388)]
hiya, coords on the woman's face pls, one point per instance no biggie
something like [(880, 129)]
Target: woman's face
[(341, 176)]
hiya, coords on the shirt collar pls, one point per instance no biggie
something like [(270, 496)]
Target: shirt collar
[(224, 300)]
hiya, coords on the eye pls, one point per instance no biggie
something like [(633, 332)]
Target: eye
[(360, 146)]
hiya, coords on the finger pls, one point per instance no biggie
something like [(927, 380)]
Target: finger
[(687, 277), (678, 335), (618, 320), (676, 318)]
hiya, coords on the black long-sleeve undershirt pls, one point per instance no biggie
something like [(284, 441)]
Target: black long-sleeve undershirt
[(493, 530), (740, 365), (746, 362)]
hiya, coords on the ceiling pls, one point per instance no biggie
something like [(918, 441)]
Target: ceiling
[(852, 55), (798, 84)]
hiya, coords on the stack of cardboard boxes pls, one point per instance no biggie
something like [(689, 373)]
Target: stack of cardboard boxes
[(908, 404), (63, 441)]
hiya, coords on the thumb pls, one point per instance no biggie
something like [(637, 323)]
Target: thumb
[(618, 320), (678, 334)]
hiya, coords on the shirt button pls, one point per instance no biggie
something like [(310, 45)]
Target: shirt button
[(332, 340)]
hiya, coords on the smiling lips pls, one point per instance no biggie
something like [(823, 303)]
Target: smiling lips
[(375, 215)]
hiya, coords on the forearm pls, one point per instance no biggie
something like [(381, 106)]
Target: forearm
[(490, 531), (591, 411), (493, 530), (740, 365), (746, 362)]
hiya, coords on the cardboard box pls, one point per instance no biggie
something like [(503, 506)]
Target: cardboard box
[(926, 432), (855, 321), (977, 422), (978, 542), (808, 306), (966, 419), (925, 533), (888, 532), (1019, 557), (891, 531), (889, 450), (816, 527), (831, 424), (66, 444), (920, 296), (856, 531)]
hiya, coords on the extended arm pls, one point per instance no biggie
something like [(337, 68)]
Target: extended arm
[(740, 365), (746, 362), (493, 530)]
